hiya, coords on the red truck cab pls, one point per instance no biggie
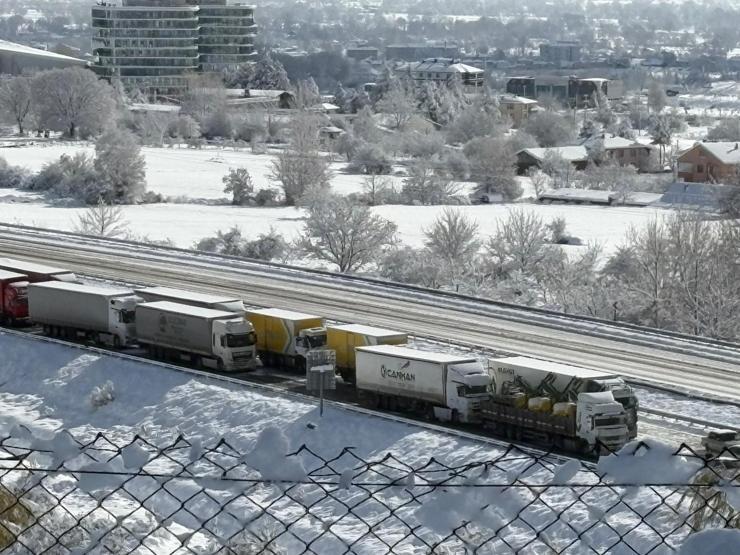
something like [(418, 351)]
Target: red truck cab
[(13, 298)]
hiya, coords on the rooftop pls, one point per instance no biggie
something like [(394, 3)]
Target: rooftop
[(188, 310), (284, 314), (183, 294), (12, 47), (85, 289), (366, 330), (557, 367), (415, 354), (726, 152)]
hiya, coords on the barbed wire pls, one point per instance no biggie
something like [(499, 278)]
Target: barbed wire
[(107, 495)]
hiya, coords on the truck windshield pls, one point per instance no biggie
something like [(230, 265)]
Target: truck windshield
[(470, 390), (609, 421), (241, 339), (316, 341), (127, 316)]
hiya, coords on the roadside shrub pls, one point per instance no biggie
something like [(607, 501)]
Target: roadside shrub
[(370, 159), (12, 176), (267, 197)]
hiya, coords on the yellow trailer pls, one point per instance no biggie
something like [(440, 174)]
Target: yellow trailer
[(284, 337), (343, 339)]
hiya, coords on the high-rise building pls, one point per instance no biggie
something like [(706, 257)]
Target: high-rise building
[(153, 45)]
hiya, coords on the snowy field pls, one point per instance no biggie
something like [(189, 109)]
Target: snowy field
[(48, 390), (191, 174)]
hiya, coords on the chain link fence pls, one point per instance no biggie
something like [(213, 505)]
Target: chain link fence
[(104, 495)]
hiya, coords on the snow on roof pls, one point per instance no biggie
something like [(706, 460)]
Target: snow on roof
[(188, 310), (331, 129), (514, 99), (184, 294), (262, 93), (464, 68), (10, 275), (326, 106), (570, 193), (577, 153), (366, 330), (284, 314), (12, 47), (84, 288), (557, 367), (147, 107), (725, 152), (415, 354)]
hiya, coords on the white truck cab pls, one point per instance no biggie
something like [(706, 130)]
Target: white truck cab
[(601, 419), (122, 318), (468, 385), (310, 339), (234, 343)]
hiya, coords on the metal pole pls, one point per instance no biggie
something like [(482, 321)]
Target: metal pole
[(321, 394)]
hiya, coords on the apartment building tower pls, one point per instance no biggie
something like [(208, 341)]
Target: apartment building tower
[(153, 45)]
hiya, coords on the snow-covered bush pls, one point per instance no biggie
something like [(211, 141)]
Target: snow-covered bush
[(370, 158), (12, 176), (102, 395)]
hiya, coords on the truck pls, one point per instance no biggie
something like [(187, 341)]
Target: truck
[(13, 298), (284, 337), (560, 405), (36, 272), (77, 311), (343, 339), (443, 386), (205, 337), (226, 303)]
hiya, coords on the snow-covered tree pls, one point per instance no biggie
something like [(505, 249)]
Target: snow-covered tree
[(72, 100), (550, 129), (16, 100), (376, 188), (102, 220), (427, 185), (238, 183), (301, 167), (345, 234), (120, 166), (656, 97), (409, 265), (397, 103), (520, 243), (265, 73), (453, 238), (492, 166), (307, 93)]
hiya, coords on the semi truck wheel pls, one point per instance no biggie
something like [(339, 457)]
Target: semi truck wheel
[(116, 342)]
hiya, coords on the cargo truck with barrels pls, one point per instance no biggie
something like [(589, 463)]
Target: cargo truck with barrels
[(284, 337), (226, 303), (36, 272), (76, 311), (201, 336), (13, 298), (342, 339), (577, 409), (443, 386)]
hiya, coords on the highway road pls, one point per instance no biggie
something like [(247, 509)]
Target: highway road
[(678, 362)]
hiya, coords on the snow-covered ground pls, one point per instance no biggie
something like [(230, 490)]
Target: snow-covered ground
[(187, 223), (182, 172), (49, 390), (191, 174)]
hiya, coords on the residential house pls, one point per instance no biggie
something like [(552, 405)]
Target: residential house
[(709, 163), (562, 52), (517, 108), (443, 70), (621, 150)]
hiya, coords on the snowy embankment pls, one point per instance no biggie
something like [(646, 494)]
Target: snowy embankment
[(190, 175), (250, 493)]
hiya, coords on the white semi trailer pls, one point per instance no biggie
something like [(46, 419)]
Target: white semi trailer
[(73, 310), (600, 404), (226, 303), (212, 338), (448, 387)]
